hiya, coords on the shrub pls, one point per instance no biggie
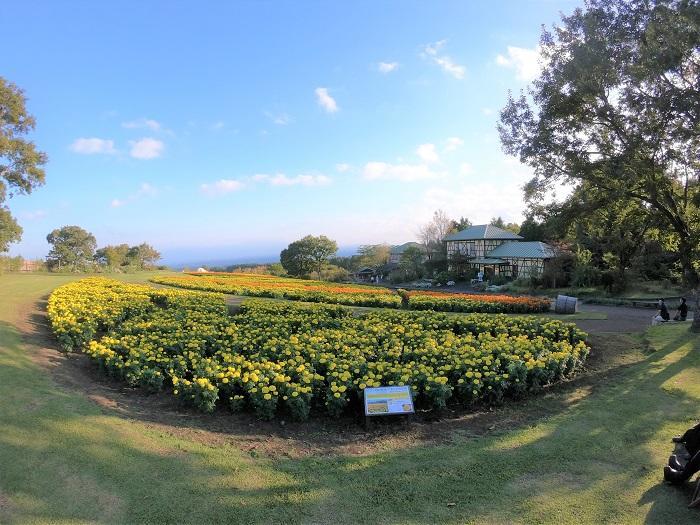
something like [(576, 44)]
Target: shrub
[(294, 359)]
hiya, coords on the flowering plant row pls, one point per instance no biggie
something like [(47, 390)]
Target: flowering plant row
[(458, 302), (255, 285), (294, 359), (354, 295)]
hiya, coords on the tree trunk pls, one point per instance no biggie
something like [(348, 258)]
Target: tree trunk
[(690, 275), (695, 327)]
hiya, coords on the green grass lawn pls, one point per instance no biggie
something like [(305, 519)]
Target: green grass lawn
[(596, 459)]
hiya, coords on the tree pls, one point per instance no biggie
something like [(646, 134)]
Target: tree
[(508, 226), (617, 106), (20, 162), (373, 255), (307, 255), (462, 224), (72, 248), (412, 260), (142, 256), (432, 233), (10, 231), (112, 256)]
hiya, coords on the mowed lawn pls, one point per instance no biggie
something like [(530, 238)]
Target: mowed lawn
[(65, 459)]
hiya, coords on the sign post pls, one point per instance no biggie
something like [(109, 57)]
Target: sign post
[(388, 401)]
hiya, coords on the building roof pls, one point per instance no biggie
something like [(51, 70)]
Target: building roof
[(487, 260), (365, 270), (398, 250), (481, 232), (529, 250)]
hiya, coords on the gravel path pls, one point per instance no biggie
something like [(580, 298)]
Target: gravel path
[(621, 319)]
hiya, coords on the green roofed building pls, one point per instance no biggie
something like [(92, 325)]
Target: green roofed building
[(495, 251)]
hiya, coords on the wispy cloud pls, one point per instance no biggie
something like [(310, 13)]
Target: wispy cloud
[(280, 179), (34, 215), (433, 52), (281, 119), (453, 143), (143, 123), (524, 61), (93, 146), (342, 167), (324, 100), (374, 171), (428, 153), (145, 190), (387, 67), (222, 187), (146, 148), (219, 124)]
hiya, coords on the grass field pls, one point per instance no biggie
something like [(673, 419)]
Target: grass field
[(590, 453)]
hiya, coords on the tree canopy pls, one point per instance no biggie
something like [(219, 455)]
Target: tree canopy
[(617, 108), (21, 163), (307, 255), (72, 248)]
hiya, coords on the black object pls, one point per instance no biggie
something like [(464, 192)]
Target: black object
[(691, 440), (679, 476), (684, 463), (663, 310), (682, 314)]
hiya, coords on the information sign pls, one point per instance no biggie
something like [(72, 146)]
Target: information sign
[(388, 400)]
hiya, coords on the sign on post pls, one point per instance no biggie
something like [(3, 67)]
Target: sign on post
[(388, 400)]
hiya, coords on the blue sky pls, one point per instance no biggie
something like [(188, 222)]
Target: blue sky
[(225, 130)]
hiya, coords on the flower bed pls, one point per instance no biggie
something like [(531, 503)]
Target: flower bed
[(457, 302), (292, 360), (255, 285)]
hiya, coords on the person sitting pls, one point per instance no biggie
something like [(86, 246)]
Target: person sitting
[(682, 313), (662, 314)]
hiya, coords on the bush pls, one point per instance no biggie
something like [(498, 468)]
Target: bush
[(294, 359)]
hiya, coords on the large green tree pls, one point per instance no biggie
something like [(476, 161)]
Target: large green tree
[(142, 256), (10, 231), (72, 248), (112, 256), (307, 255), (21, 163), (617, 106)]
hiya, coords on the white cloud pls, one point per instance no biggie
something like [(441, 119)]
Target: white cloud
[(465, 168), (432, 52), (487, 111), (453, 143), (280, 179), (281, 119), (327, 102), (221, 187), (218, 125), (523, 60), (145, 190), (400, 172), (93, 146), (140, 123), (428, 153), (146, 148), (387, 67), (342, 167)]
